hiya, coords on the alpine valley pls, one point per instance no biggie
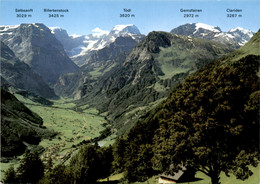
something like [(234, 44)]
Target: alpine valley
[(136, 105)]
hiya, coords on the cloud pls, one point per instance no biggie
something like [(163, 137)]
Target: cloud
[(98, 32)]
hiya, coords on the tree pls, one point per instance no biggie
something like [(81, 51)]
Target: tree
[(49, 165), (58, 175), (139, 167), (133, 153), (91, 163), (10, 176), (119, 154), (31, 168), (213, 122), (84, 166)]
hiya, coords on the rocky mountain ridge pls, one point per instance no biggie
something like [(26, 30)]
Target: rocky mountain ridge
[(81, 48), (35, 45), (19, 75), (236, 37), (101, 63)]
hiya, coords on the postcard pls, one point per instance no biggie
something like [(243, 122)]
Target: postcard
[(126, 91)]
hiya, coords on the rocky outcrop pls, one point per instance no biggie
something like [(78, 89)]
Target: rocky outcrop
[(35, 45), (19, 75)]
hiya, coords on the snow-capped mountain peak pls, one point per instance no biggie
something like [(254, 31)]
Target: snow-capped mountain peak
[(119, 28), (99, 39), (206, 27), (241, 30), (236, 29), (124, 29), (235, 37), (107, 38), (9, 30)]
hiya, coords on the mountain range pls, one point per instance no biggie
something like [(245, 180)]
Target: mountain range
[(154, 66), (35, 45), (45, 49), (80, 48), (236, 37), (121, 72)]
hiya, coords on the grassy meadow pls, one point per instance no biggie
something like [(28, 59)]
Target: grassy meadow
[(73, 125)]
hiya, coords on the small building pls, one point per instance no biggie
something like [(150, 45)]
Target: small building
[(163, 180), (182, 175)]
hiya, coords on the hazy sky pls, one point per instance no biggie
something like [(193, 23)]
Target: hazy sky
[(147, 15)]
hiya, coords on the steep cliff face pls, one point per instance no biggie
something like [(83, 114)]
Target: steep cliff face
[(35, 45), (19, 75), (67, 41)]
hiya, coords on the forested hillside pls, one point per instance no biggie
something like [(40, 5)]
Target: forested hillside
[(209, 122)]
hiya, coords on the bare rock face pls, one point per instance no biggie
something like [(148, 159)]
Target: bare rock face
[(35, 45), (19, 75), (68, 42)]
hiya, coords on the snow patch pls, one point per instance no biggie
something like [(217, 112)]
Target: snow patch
[(244, 31), (236, 29), (132, 36), (230, 36), (35, 25), (119, 28), (53, 29), (90, 45), (10, 33), (243, 42), (7, 28), (224, 35), (75, 36), (205, 26)]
